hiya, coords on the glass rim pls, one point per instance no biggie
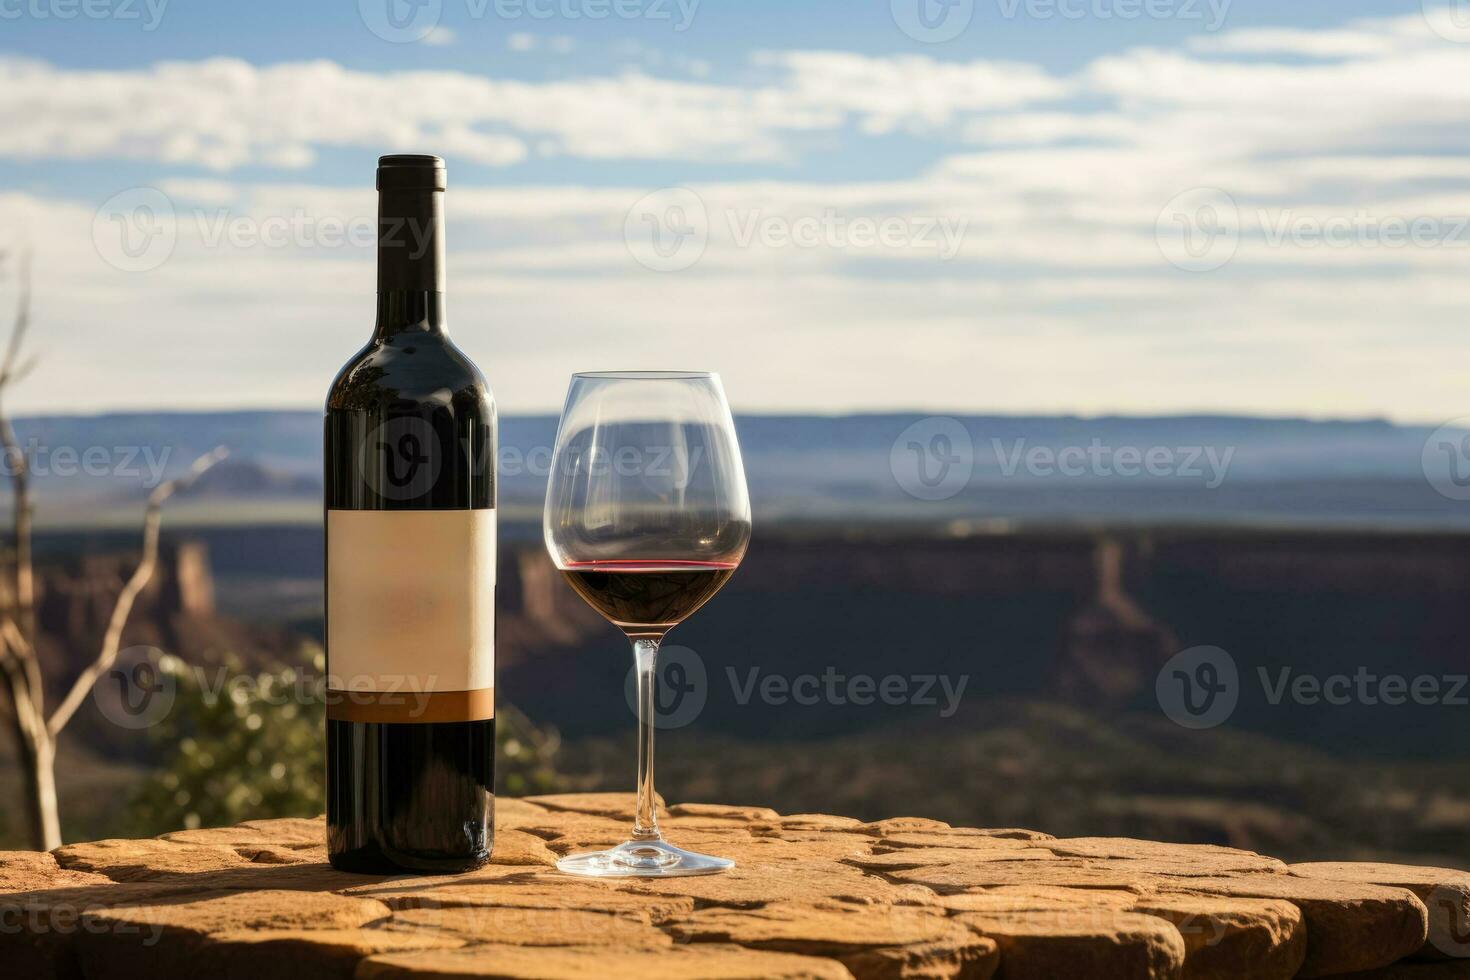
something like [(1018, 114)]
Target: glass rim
[(646, 375)]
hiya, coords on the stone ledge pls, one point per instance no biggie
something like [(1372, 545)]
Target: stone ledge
[(812, 895)]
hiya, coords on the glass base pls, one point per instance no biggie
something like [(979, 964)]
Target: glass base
[(643, 859)]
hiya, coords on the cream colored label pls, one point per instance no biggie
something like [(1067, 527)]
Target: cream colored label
[(410, 600)]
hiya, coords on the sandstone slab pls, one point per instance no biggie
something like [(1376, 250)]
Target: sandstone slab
[(1095, 943), (950, 841), (1201, 859), (813, 895), (1225, 938), (1350, 926), (201, 935), (285, 830), (819, 821), (1037, 898), (873, 942), (520, 848), (752, 884), (22, 871), (958, 876), (513, 812), (740, 814), (908, 858), (527, 926), (901, 825), (961, 837), (1444, 892), (703, 962), (834, 844), (618, 806), (147, 860)]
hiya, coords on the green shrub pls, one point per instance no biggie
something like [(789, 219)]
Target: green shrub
[(244, 746)]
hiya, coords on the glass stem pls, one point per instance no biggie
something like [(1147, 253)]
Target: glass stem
[(645, 655)]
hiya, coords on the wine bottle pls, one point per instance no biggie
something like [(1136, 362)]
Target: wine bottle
[(410, 566)]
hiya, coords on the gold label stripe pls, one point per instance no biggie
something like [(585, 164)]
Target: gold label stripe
[(408, 707)]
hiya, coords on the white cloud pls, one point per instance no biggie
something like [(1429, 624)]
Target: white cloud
[(1357, 39), (652, 58), (910, 91), (1063, 315), (523, 42), (440, 37), (224, 113), (1382, 79)]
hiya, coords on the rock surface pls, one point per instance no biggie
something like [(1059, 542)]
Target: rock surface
[(1445, 894), (812, 896)]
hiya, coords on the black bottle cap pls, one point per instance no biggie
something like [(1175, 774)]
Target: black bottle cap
[(411, 172)]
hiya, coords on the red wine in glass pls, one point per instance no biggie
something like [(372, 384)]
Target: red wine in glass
[(647, 597)]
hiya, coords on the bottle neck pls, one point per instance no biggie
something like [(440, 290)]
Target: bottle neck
[(409, 311), (410, 261)]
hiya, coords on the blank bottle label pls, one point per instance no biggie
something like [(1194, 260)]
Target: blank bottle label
[(411, 615)]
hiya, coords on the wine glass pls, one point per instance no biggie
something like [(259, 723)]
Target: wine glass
[(647, 516)]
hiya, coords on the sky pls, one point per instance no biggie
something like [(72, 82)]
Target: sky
[(1008, 206)]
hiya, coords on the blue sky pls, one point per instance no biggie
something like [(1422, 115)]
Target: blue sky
[(1067, 206), (721, 31)]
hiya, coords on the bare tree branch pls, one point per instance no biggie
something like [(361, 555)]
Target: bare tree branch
[(11, 371), (21, 323), (22, 370), (123, 608), (15, 642), (18, 661), (30, 664), (23, 654), (18, 680), (20, 667), (36, 750), (22, 671)]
